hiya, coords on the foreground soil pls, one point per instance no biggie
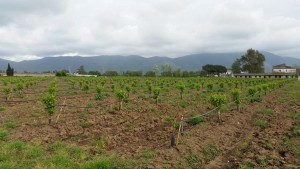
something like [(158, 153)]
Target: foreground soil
[(261, 135)]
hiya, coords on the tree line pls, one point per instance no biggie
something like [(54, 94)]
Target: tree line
[(252, 62), (166, 71)]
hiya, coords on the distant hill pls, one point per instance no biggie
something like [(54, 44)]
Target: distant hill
[(133, 62)]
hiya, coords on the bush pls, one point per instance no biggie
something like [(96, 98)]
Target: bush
[(209, 86), (195, 120), (177, 125), (261, 123), (217, 100)]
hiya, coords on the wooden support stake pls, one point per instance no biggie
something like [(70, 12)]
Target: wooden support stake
[(60, 111), (178, 135), (219, 114)]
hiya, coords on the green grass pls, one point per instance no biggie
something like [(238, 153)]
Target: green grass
[(148, 153), (2, 109), (296, 130), (296, 152), (224, 109), (261, 123), (268, 111), (99, 145), (19, 155), (76, 153), (262, 161), (56, 146), (10, 124), (295, 115), (245, 165), (3, 134), (183, 104), (210, 152), (176, 125), (85, 124), (193, 161), (106, 163), (83, 116), (34, 152)]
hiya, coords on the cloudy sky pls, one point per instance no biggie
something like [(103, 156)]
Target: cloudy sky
[(31, 29)]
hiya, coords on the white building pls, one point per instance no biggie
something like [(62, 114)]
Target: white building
[(282, 68), (80, 75)]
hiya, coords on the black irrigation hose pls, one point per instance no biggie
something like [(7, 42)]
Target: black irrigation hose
[(210, 111), (87, 107), (18, 101)]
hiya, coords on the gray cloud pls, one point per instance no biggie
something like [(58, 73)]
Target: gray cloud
[(37, 28)]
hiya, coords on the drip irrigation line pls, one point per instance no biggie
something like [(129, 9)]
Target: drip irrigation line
[(86, 107), (210, 111), (19, 101)]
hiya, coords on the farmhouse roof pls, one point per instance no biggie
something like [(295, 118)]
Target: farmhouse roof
[(282, 66)]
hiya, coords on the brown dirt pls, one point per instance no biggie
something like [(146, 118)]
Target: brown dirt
[(130, 132)]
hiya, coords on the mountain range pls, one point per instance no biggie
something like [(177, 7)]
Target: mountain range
[(103, 63)]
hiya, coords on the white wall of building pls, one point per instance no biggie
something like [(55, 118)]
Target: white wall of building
[(285, 70)]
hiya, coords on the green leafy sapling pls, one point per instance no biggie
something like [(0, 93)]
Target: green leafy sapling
[(236, 95), (181, 88), (121, 95), (217, 100), (156, 92), (99, 91), (49, 101), (7, 92)]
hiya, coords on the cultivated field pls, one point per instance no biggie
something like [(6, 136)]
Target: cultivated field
[(130, 122)]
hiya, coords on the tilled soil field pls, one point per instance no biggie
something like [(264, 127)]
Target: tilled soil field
[(261, 135)]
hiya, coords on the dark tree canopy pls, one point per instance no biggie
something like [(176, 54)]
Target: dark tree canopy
[(9, 70), (253, 61), (236, 66), (150, 73), (110, 73), (61, 73), (81, 70), (133, 73), (94, 72), (166, 70), (190, 73), (214, 69)]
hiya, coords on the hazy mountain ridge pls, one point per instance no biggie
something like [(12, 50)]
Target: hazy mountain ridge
[(103, 63)]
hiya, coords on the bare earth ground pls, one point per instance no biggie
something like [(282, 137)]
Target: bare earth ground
[(142, 134)]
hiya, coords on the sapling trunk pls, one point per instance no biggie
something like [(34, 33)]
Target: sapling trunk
[(219, 117), (156, 92), (120, 105), (121, 96), (49, 120), (172, 140)]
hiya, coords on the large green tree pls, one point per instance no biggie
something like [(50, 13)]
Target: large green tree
[(214, 69), (9, 70), (166, 70), (253, 61), (236, 66), (81, 70)]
